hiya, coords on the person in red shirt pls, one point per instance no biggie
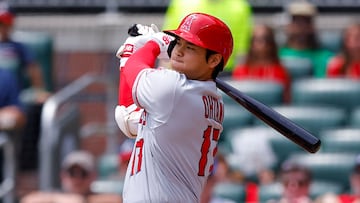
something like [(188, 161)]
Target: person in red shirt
[(347, 63), (262, 60)]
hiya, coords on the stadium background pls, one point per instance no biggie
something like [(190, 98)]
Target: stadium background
[(102, 27)]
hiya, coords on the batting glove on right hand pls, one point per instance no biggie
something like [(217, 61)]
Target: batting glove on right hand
[(139, 35), (163, 40)]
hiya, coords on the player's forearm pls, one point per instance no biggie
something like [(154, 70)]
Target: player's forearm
[(144, 58)]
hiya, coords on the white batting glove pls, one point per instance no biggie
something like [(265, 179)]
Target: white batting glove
[(140, 34), (163, 40), (127, 118)]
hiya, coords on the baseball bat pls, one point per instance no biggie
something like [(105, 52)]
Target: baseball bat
[(274, 119)]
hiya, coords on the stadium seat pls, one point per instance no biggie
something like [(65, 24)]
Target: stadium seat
[(274, 191), (330, 40), (269, 192), (297, 67), (236, 116), (283, 148), (319, 188), (328, 167), (341, 140), (108, 165), (267, 92), (354, 120), (113, 186), (313, 118), (344, 93), (230, 191)]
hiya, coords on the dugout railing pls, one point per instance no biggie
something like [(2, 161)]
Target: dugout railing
[(7, 186), (61, 126)]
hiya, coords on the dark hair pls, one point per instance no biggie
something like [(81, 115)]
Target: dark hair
[(219, 67), (288, 167), (250, 57), (345, 51)]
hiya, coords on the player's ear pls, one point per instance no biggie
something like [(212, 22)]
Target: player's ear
[(214, 60)]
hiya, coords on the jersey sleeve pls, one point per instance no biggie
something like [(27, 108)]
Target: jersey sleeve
[(144, 58), (156, 91)]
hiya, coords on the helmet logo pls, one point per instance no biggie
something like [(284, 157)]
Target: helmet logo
[(188, 22)]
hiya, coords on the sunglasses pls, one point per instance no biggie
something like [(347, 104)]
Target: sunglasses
[(77, 173)]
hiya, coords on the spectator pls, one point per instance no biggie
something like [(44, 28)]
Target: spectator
[(222, 173), (262, 60), (236, 14), (353, 196), (301, 38), (347, 63), (16, 57), (78, 171), (296, 181), (12, 116)]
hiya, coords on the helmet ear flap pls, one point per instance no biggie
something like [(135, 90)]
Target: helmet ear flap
[(171, 47)]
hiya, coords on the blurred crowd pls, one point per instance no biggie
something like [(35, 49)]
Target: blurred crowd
[(259, 54)]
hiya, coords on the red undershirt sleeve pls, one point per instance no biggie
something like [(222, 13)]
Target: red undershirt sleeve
[(144, 58)]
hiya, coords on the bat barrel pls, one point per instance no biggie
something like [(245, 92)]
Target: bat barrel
[(274, 119)]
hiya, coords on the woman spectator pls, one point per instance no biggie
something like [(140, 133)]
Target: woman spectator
[(262, 60), (347, 63)]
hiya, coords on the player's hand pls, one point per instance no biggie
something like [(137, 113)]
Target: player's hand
[(163, 40), (139, 35), (127, 119)]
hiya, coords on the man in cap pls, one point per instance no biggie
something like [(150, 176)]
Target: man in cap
[(301, 46), (78, 172)]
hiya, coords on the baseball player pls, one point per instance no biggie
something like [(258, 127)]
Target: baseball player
[(181, 108)]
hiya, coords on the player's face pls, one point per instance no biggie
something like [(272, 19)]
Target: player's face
[(191, 60)]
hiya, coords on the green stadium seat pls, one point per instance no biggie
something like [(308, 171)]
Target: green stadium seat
[(354, 120), (344, 93), (328, 167), (267, 92), (271, 192), (297, 67), (312, 118), (330, 40), (236, 116), (341, 140), (319, 188), (231, 191), (108, 165), (274, 191), (283, 148)]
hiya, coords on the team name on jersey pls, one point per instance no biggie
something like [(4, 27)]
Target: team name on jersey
[(214, 109)]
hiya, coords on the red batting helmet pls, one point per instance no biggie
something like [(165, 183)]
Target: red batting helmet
[(6, 17), (206, 31)]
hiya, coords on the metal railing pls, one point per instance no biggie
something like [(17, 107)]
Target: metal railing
[(60, 127), (7, 187)]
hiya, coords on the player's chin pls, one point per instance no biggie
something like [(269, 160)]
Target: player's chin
[(177, 65)]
